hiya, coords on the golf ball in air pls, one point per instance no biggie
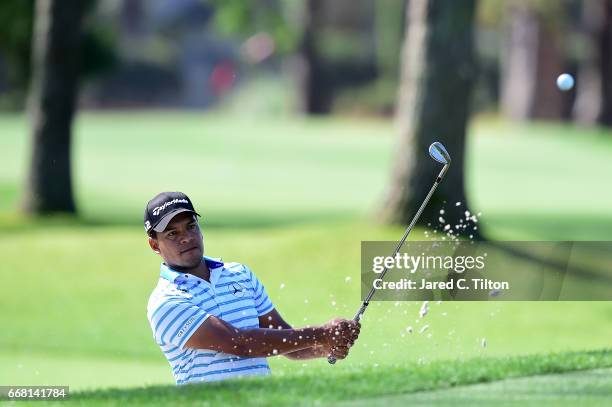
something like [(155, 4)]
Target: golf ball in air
[(565, 81)]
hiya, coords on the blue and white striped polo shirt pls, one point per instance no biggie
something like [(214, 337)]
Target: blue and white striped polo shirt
[(181, 303)]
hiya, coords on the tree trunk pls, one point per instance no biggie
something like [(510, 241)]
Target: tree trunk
[(55, 57), (588, 104), (594, 90), (605, 49), (315, 90), (530, 63), (518, 61), (437, 74)]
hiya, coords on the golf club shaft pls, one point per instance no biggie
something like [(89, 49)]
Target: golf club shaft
[(366, 302)]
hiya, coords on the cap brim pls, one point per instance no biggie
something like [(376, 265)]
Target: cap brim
[(163, 223)]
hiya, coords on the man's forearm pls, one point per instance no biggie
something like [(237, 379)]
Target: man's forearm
[(308, 353), (262, 342)]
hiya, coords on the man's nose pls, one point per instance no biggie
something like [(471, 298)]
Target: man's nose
[(186, 237)]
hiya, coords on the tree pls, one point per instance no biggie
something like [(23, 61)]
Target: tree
[(322, 42), (594, 92), (55, 56), (437, 74), (15, 36), (532, 58), (16, 21), (315, 90)]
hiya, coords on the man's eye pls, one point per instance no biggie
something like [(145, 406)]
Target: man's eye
[(171, 234), (192, 226)]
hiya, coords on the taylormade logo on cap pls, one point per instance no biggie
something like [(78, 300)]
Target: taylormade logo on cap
[(163, 207), (158, 209)]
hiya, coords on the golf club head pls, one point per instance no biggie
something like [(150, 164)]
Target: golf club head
[(439, 153)]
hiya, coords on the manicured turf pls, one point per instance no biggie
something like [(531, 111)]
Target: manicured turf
[(529, 181), (585, 388), (291, 199), (365, 386)]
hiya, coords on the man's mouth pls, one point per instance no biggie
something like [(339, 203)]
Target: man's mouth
[(188, 250)]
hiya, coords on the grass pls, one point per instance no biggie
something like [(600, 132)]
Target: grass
[(234, 169), (584, 388), (541, 181), (364, 386), (530, 181), (290, 198)]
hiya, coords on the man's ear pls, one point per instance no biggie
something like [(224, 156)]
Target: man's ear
[(154, 245)]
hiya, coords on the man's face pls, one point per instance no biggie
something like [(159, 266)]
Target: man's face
[(181, 243)]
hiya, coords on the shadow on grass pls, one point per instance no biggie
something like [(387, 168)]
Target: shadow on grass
[(553, 227), (507, 226), (16, 222)]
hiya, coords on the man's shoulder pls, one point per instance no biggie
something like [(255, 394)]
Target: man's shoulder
[(162, 293), (234, 268)]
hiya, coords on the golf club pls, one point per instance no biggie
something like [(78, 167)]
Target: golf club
[(438, 153)]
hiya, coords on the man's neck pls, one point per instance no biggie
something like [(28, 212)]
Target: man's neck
[(201, 270)]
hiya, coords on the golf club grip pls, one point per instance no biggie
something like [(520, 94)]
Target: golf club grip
[(332, 360)]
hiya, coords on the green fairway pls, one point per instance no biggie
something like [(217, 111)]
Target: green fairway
[(92, 285), (291, 198), (541, 181), (584, 388), (530, 181), (375, 385)]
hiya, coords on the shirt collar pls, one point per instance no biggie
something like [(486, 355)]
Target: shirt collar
[(171, 275)]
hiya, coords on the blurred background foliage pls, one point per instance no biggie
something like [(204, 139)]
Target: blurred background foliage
[(16, 25), (197, 54), (280, 119)]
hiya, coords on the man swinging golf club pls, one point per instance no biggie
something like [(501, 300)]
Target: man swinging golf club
[(212, 319)]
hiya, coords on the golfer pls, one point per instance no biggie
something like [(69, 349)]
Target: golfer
[(212, 319)]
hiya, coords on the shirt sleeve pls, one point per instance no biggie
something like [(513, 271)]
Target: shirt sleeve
[(263, 304), (175, 320)]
